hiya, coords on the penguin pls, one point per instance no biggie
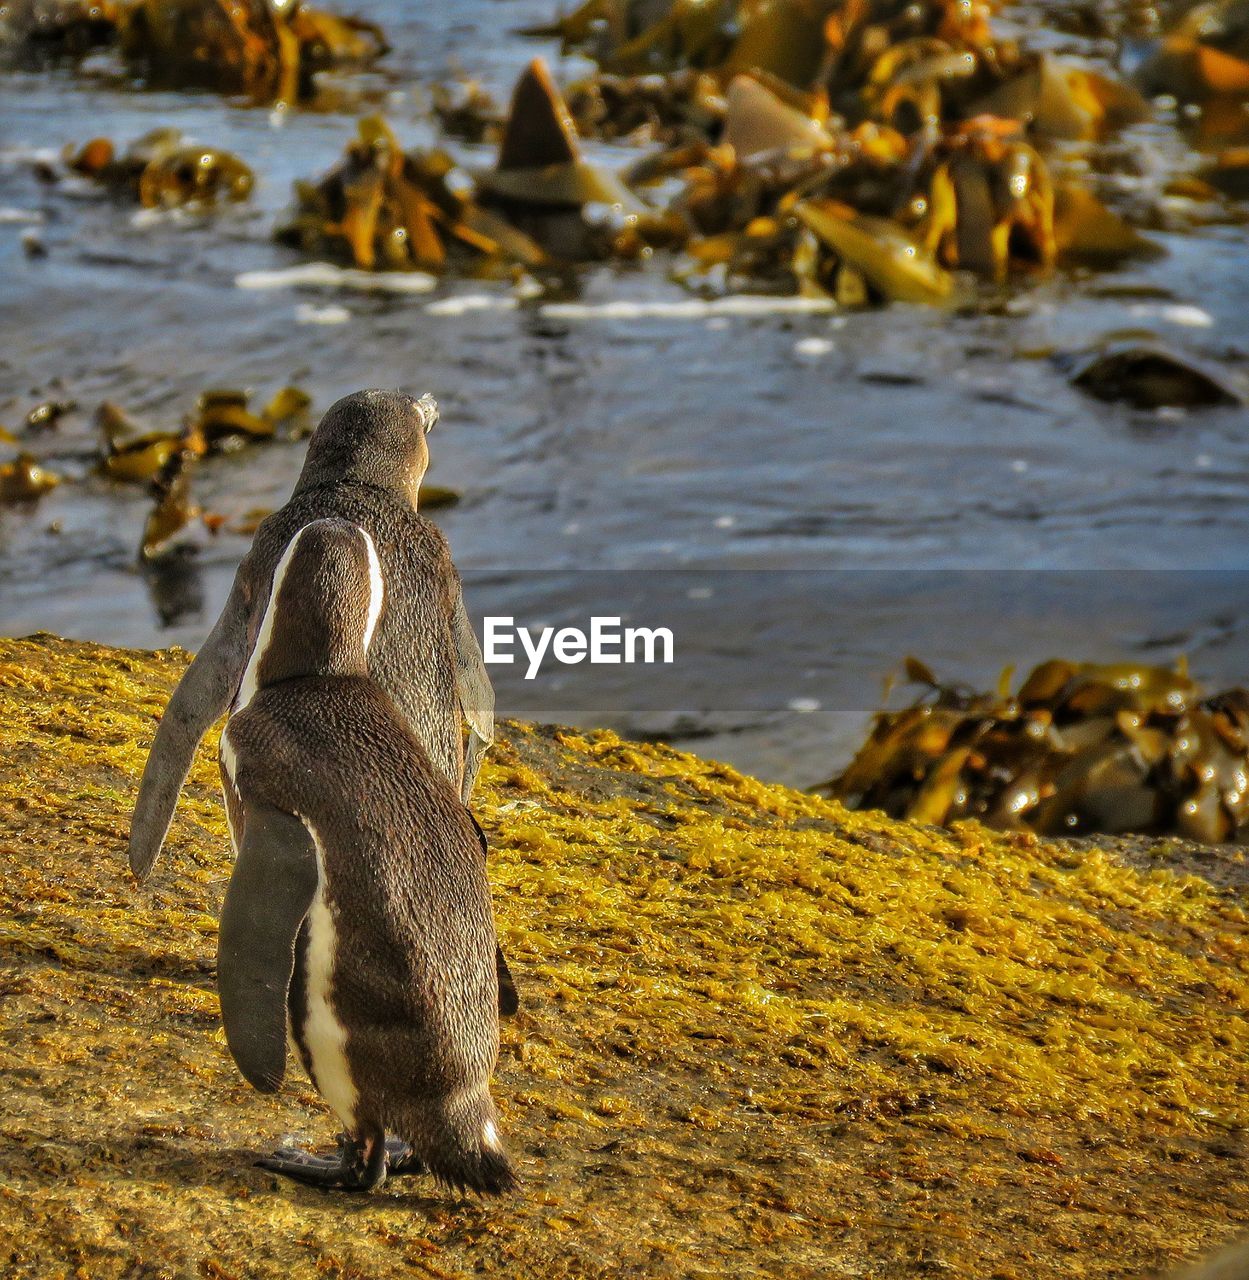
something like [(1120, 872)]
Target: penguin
[(364, 464), (357, 921)]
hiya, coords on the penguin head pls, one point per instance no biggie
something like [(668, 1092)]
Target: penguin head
[(323, 607), (375, 438)]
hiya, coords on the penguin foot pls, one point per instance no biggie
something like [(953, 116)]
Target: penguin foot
[(401, 1159), (360, 1165)]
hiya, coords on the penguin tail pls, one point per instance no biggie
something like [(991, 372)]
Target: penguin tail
[(462, 1148)]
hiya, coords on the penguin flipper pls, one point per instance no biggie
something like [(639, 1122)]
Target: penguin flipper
[(475, 692), (509, 997), (202, 695), (271, 890)]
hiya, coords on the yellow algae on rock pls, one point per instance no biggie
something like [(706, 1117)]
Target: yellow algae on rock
[(760, 1034)]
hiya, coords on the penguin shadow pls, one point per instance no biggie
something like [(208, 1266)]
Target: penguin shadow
[(145, 1157), (417, 1194), (168, 1159)]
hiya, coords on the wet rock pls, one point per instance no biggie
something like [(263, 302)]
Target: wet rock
[(1149, 377), (540, 162)]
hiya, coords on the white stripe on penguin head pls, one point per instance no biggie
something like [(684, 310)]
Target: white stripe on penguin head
[(377, 588), (251, 674)]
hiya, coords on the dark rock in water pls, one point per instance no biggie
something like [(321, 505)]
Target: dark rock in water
[(1230, 173), (37, 33), (539, 127), (1149, 377)]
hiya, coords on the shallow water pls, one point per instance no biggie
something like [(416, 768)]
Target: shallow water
[(931, 483)]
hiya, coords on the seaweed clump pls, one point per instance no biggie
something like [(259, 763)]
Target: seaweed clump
[(383, 207), (1079, 748), (161, 170), (267, 52), (855, 149), (761, 1033)]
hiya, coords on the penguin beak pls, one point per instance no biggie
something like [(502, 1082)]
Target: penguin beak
[(427, 410)]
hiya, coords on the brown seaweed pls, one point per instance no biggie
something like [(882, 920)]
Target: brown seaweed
[(1079, 748), (263, 51), (162, 170), (24, 479), (915, 115), (384, 208)]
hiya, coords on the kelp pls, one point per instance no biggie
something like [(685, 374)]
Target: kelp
[(47, 414), (917, 116), (1079, 748), (173, 508), (759, 1032), (465, 109), (265, 51), (1203, 57), (221, 423), (164, 460), (24, 478), (162, 170), (990, 203), (382, 207)]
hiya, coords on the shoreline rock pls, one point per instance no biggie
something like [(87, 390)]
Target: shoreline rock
[(760, 1034)]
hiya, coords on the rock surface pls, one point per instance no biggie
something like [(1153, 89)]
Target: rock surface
[(760, 1035)]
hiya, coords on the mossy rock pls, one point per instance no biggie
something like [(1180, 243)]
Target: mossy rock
[(760, 1035)]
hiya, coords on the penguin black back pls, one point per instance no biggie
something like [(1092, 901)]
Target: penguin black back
[(359, 905), (364, 465), (327, 596)]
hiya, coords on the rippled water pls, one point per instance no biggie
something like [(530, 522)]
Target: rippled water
[(929, 474)]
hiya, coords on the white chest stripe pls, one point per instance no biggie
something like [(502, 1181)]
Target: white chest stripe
[(229, 769), (247, 687), (323, 1032), (377, 597), (377, 590), (324, 1035), (247, 690)]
